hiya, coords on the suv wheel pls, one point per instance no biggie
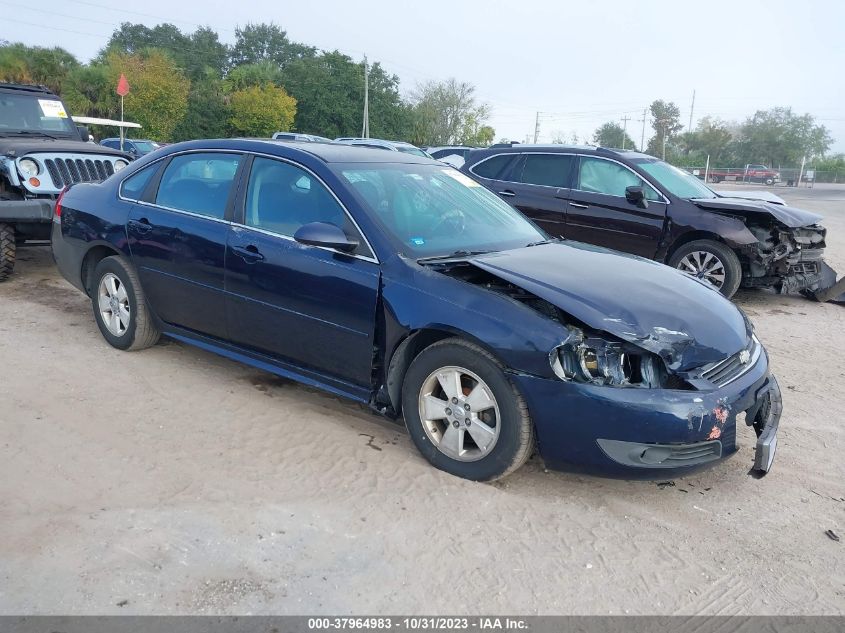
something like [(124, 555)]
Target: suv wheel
[(119, 306), (7, 250), (463, 414), (710, 261)]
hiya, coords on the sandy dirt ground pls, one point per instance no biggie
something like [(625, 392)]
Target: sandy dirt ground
[(174, 481)]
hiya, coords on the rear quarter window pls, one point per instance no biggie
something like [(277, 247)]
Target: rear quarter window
[(492, 167)]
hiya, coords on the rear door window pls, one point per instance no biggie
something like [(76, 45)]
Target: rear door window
[(548, 170), (199, 183)]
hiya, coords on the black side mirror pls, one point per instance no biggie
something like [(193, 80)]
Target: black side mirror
[(636, 195), (325, 235), (83, 132)]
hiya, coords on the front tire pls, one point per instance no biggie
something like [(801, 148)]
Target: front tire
[(710, 261), (7, 250), (120, 308), (463, 414)]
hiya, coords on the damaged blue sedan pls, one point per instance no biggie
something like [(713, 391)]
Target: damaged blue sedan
[(399, 282)]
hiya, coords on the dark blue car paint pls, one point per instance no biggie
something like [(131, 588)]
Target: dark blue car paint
[(349, 316)]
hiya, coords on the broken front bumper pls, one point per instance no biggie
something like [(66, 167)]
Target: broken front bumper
[(645, 433)]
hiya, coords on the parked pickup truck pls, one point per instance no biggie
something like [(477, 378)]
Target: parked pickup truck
[(749, 173), (41, 152)]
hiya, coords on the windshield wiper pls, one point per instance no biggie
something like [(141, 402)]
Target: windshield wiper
[(541, 242), (453, 255), (34, 132)]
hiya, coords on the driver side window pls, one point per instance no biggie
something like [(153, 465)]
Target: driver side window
[(596, 175), (282, 197)]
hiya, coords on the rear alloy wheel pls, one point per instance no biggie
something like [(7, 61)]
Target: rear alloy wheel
[(710, 261), (120, 308), (463, 414), (7, 251)]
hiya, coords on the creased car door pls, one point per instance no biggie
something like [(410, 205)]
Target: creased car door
[(311, 306)]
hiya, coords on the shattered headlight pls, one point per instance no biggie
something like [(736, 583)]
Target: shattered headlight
[(600, 361)]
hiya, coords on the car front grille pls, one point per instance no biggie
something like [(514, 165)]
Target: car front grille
[(728, 370), (67, 171)]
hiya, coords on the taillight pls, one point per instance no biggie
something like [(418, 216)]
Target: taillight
[(59, 202)]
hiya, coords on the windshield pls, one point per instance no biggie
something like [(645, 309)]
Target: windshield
[(144, 146), (433, 210), (35, 114), (678, 182), (410, 149)]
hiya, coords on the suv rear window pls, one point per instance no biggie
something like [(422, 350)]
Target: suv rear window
[(492, 167)]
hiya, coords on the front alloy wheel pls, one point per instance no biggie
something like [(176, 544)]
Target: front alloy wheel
[(710, 261), (704, 265), (459, 413), (464, 414)]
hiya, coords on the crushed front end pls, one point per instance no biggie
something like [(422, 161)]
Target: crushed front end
[(787, 259)]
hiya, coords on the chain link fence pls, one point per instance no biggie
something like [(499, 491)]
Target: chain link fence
[(788, 176)]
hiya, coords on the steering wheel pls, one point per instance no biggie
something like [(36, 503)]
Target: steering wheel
[(454, 220)]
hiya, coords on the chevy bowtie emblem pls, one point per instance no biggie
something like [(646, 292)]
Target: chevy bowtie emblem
[(744, 356)]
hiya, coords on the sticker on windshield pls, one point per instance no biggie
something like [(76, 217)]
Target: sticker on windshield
[(52, 109), (464, 180), (417, 241)]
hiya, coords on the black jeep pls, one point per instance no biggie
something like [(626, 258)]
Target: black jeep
[(41, 152)]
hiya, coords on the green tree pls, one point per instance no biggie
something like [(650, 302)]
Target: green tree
[(262, 110), (444, 110), (329, 89), (208, 111), (50, 67), (779, 137), (158, 98), (249, 75), (611, 134), (196, 54), (666, 121), (257, 43)]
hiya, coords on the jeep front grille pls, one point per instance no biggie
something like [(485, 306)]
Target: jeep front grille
[(67, 171)]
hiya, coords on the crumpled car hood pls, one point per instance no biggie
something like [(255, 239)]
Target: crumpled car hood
[(790, 216), (654, 306)]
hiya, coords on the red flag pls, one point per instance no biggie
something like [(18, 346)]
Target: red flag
[(122, 86)]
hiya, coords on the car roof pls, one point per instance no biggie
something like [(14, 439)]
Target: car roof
[(326, 152), (556, 148)]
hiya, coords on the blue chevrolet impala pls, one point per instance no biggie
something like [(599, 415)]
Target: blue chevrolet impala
[(399, 282)]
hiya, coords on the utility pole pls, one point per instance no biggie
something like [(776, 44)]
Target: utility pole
[(663, 125), (691, 108), (365, 129), (624, 120), (642, 137), (537, 128)]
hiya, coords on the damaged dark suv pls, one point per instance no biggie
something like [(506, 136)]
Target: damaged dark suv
[(638, 204), (397, 281)]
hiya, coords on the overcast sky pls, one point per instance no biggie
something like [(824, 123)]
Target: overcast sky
[(579, 64)]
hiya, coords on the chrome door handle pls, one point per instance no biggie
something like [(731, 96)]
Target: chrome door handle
[(507, 193), (579, 206)]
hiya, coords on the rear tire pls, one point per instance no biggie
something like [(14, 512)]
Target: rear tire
[(120, 308), (7, 250), (485, 418), (711, 261)]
